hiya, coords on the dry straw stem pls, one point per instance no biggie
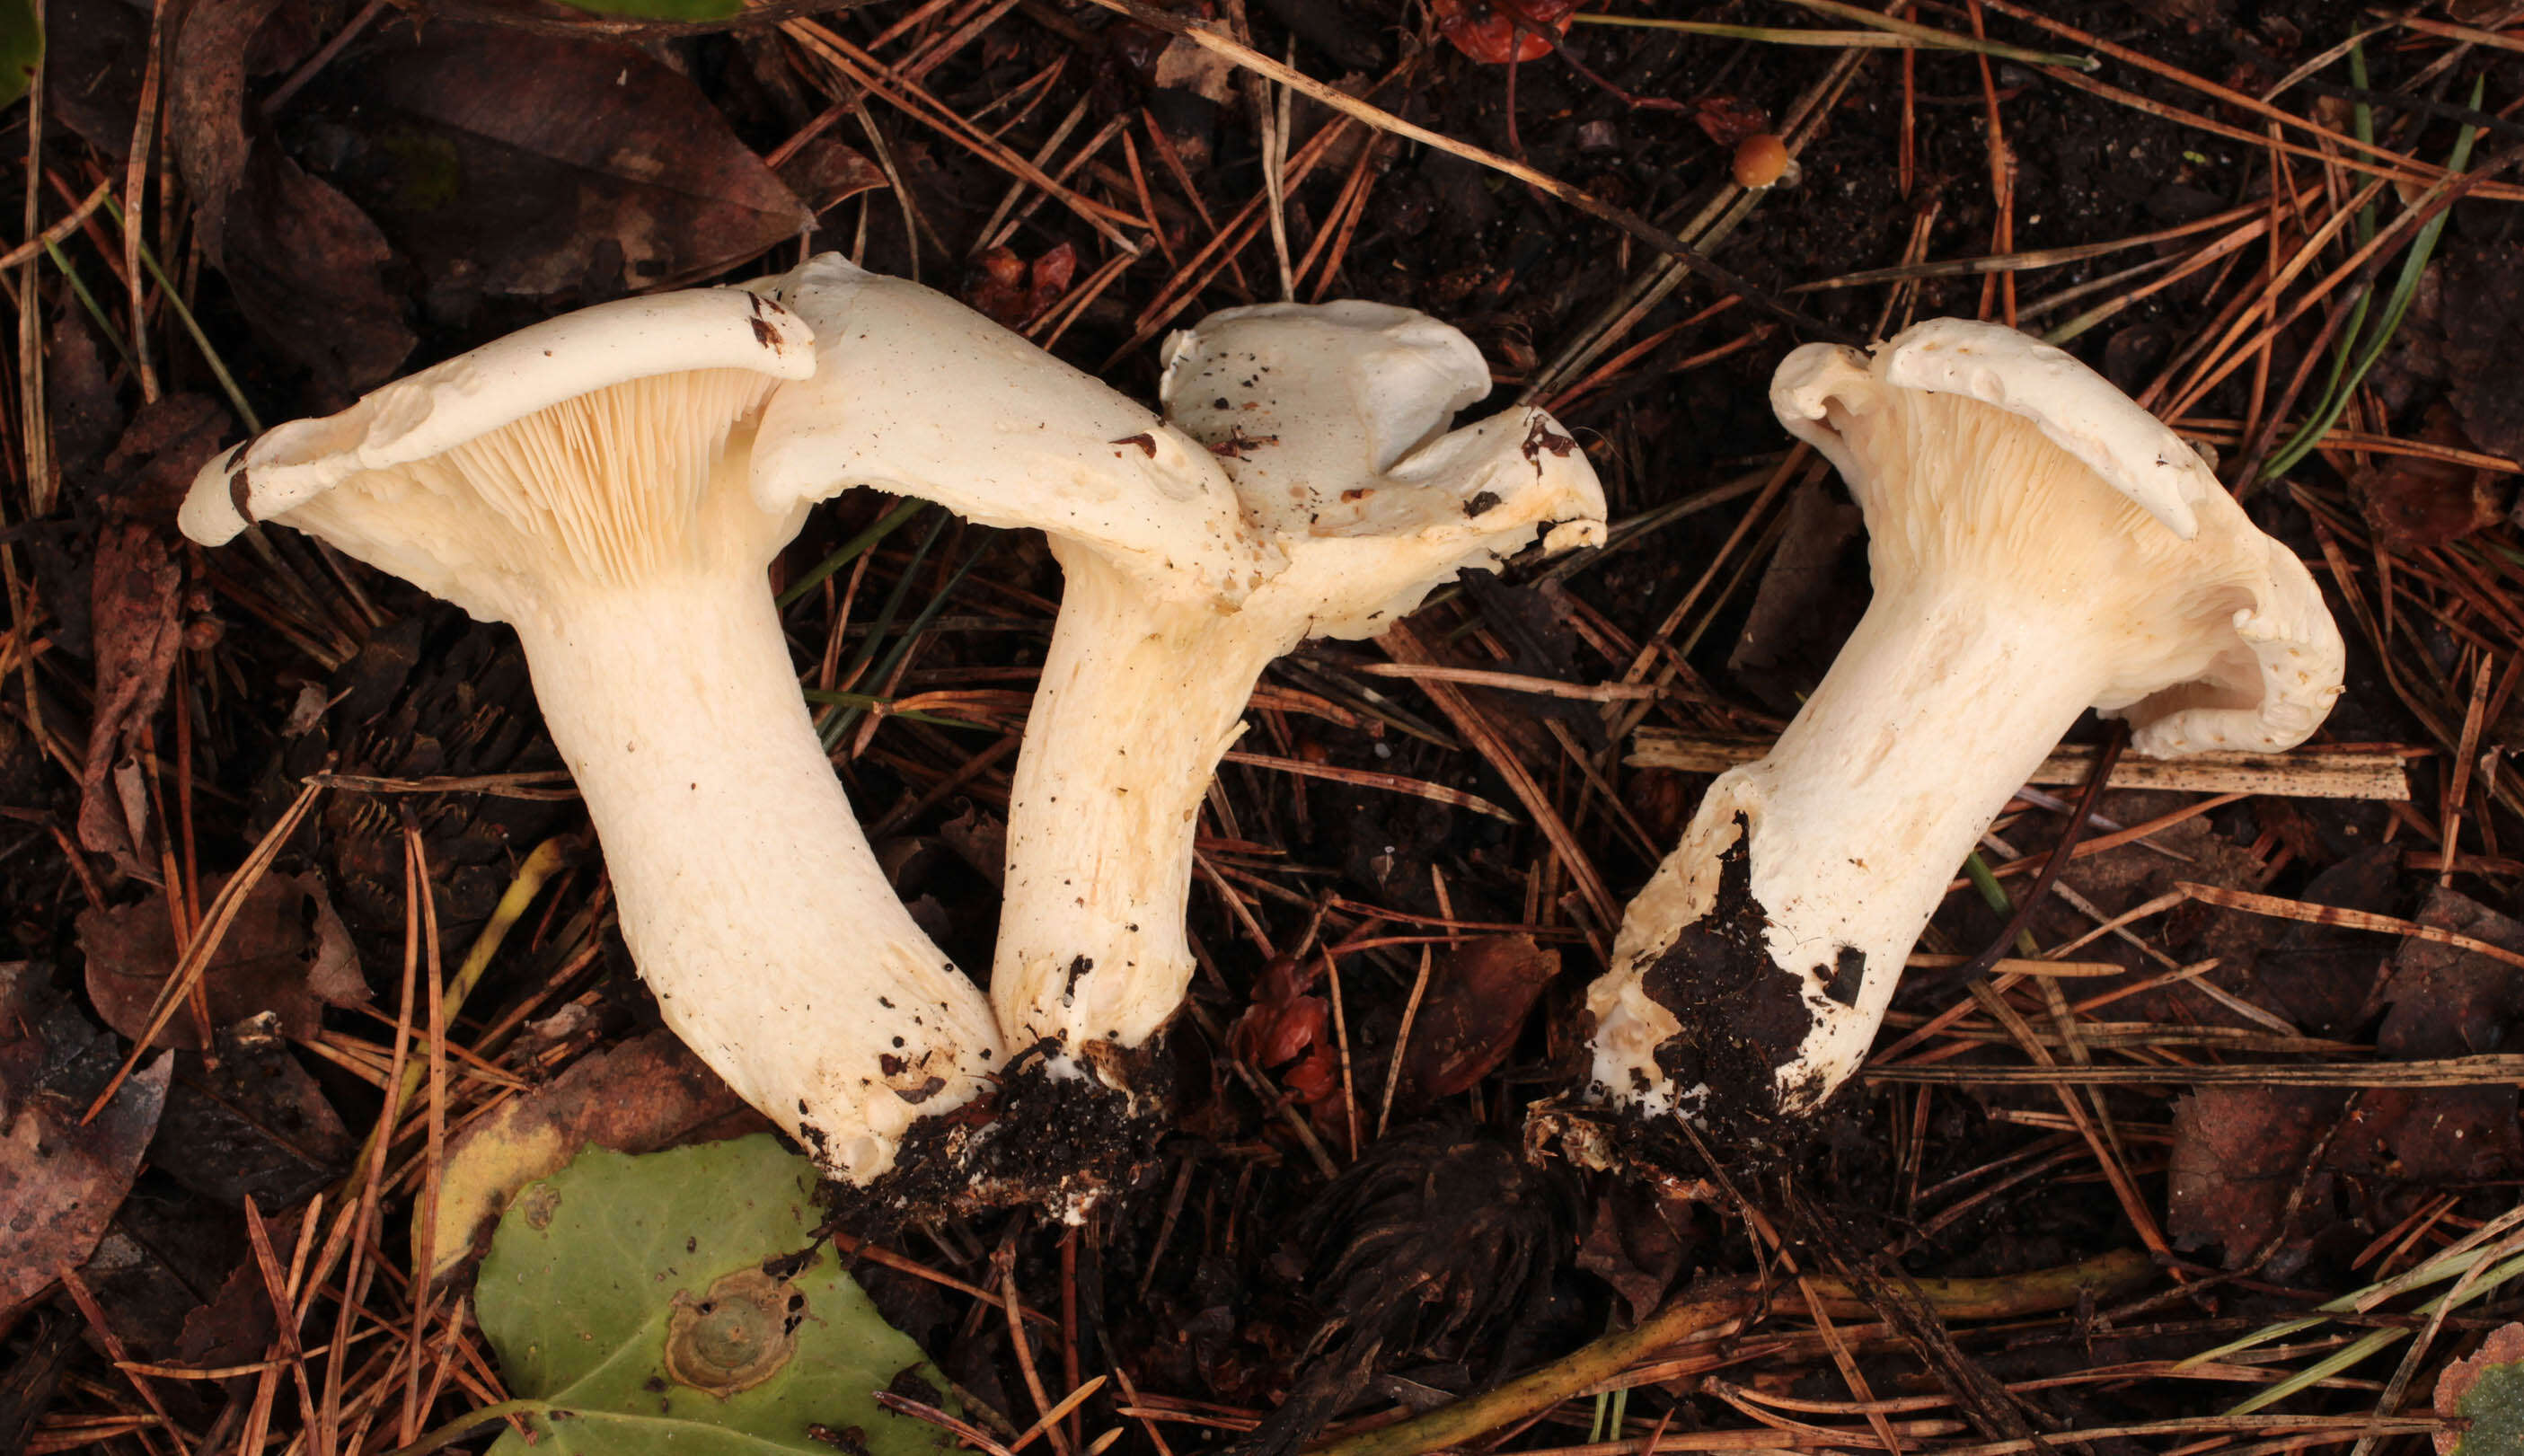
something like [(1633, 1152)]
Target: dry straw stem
[(2305, 773), (1710, 1307)]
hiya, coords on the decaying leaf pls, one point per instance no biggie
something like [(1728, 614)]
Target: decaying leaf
[(137, 585), (2238, 1153), (680, 1302), (251, 1122), (285, 953), (306, 266), (1497, 32), (509, 163), (644, 1096), (2421, 503), (1013, 292), (61, 1181), (1478, 1000)]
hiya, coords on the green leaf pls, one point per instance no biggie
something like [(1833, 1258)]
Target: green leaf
[(22, 47), (2487, 1389), (662, 10), (679, 1302)]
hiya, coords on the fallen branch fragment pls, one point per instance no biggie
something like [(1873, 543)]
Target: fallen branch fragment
[(1712, 1305), (2305, 773), (2451, 1071)]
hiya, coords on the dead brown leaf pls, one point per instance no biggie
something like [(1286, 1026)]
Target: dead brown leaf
[(1477, 1001), (306, 266), (1013, 292), (505, 162), (60, 1181), (285, 953), (2236, 1154), (2421, 503), (136, 588)]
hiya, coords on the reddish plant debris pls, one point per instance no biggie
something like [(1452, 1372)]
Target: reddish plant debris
[(1013, 292), (1288, 1023), (1728, 120), (2423, 503), (1477, 1001), (1497, 32), (285, 953)]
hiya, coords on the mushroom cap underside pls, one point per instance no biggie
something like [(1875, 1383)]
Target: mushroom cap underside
[(502, 382), (1958, 430)]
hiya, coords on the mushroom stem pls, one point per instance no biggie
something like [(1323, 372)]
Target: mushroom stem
[(1941, 705), (1140, 696), (674, 705)]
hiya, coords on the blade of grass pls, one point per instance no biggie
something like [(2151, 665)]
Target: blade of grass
[(2396, 308), (851, 550), (193, 326), (843, 721)]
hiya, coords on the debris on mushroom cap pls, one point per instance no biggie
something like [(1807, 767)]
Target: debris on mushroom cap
[(540, 366), (2039, 544)]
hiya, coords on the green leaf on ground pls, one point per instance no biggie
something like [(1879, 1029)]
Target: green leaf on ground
[(22, 48), (2487, 1389), (679, 1302), (662, 10)]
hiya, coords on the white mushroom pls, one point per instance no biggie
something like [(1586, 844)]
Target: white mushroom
[(2040, 544), (1306, 487), (586, 480)]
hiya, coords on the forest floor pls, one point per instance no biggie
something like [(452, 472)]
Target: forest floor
[(2252, 1055)]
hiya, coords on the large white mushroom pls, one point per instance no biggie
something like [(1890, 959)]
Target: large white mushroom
[(588, 481), (2040, 544), (1304, 484)]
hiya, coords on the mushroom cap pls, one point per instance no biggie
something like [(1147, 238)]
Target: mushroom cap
[(916, 394), (1333, 421), (450, 403), (2226, 643), (1304, 399)]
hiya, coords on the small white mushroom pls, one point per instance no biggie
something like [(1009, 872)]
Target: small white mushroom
[(586, 480), (1306, 486), (2040, 544)]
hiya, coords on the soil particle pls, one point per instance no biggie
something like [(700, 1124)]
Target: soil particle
[(1742, 1016), (1057, 1143)]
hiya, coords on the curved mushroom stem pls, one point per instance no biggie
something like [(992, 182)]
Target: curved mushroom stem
[(1751, 974), (1140, 696), (675, 705)]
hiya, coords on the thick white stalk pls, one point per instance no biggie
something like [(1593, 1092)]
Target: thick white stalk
[(747, 892), (1140, 696), (1751, 974)]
